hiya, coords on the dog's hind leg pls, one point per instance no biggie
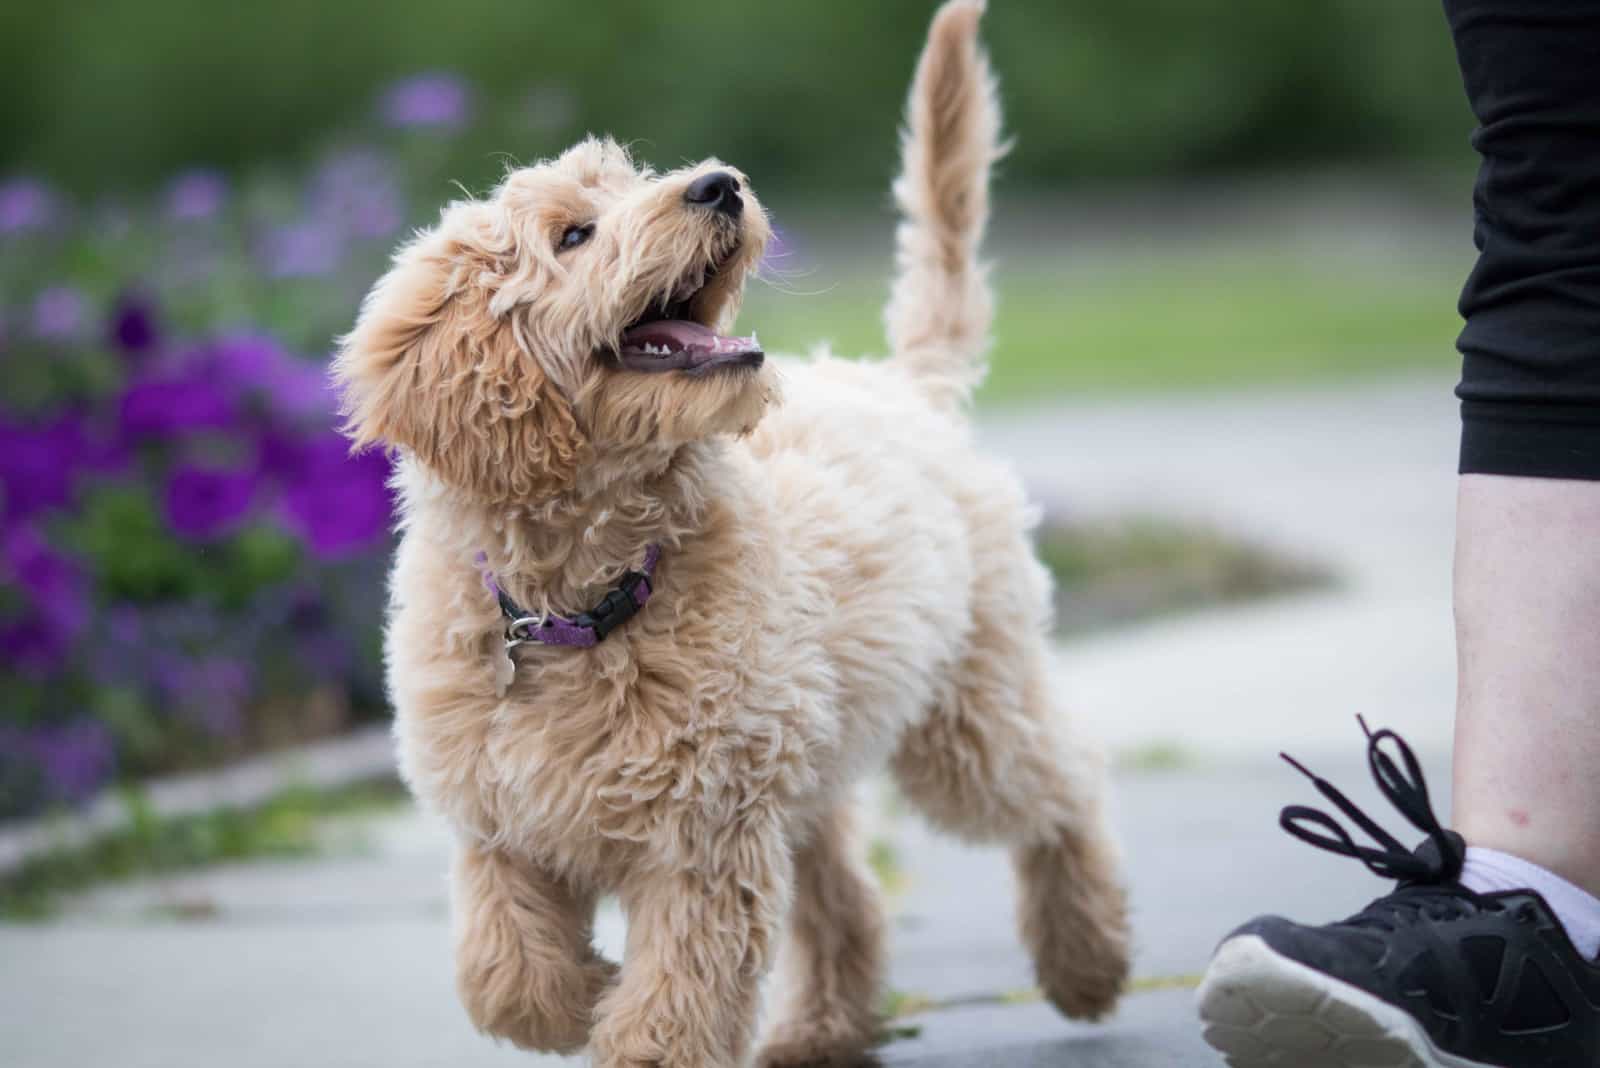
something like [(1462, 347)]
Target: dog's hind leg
[(833, 959), (991, 765), (525, 968)]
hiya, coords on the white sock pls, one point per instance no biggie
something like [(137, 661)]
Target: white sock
[(1488, 871)]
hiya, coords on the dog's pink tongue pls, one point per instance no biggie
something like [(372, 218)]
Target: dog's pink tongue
[(666, 336)]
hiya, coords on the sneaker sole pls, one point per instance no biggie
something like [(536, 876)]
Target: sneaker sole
[(1263, 1010)]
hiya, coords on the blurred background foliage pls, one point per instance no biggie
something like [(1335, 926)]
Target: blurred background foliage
[(112, 94)]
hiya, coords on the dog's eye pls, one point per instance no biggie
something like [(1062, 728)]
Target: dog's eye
[(573, 236)]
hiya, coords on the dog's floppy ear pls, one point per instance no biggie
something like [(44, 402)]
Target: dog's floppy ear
[(432, 369)]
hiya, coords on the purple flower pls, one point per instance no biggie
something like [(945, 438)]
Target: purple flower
[(75, 760), (292, 388), (280, 454), (196, 194), (37, 464), (204, 502), (59, 313), (57, 600), (133, 325), (123, 625), (175, 404), (26, 204), (32, 647), (54, 584), (301, 389), (318, 646), (98, 452), (224, 685), (210, 691), (434, 99), (301, 249), (337, 503), (357, 191)]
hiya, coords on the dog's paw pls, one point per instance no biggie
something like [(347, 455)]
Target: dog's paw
[(1087, 983), (558, 1023), (794, 1050), (1086, 995), (1074, 913)]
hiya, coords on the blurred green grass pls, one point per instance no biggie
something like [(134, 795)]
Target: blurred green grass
[(292, 823), (1190, 318), (1114, 571)]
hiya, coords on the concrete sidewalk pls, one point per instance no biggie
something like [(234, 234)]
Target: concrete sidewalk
[(345, 961), (1361, 478)]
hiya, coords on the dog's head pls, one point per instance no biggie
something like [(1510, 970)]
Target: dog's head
[(575, 316)]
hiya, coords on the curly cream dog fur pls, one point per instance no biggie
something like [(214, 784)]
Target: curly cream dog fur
[(845, 584)]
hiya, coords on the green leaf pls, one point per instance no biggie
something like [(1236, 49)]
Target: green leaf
[(133, 555)]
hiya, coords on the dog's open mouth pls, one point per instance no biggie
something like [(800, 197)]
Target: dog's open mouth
[(674, 336)]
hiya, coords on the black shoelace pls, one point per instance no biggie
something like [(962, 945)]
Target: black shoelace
[(1428, 878)]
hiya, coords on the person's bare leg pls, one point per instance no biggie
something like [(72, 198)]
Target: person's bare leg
[(1527, 595), (1487, 950)]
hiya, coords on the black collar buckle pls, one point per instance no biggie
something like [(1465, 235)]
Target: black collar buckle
[(619, 605)]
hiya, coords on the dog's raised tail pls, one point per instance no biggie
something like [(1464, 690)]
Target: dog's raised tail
[(940, 307)]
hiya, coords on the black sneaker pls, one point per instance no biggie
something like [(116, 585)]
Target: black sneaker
[(1432, 975)]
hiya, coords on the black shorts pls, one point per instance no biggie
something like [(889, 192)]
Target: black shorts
[(1530, 379)]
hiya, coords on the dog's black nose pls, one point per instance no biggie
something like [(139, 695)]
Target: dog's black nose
[(718, 191)]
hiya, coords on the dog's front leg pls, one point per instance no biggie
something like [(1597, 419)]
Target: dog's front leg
[(700, 938), (525, 967)]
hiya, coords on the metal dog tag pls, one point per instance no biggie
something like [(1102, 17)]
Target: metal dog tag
[(504, 671)]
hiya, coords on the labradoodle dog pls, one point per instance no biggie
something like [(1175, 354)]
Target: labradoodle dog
[(648, 624)]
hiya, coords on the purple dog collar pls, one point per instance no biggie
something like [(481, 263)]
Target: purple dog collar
[(587, 629)]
